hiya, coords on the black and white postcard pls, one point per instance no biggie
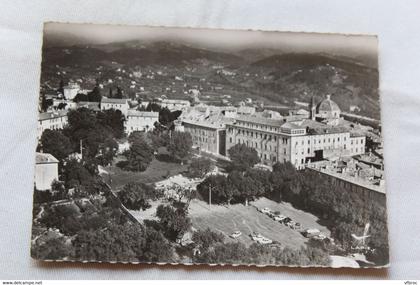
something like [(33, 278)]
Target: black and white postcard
[(200, 146)]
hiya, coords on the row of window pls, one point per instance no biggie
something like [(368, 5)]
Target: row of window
[(55, 120), (260, 135), (258, 126), (201, 132)]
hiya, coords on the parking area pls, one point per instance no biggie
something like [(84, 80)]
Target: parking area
[(248, 220)]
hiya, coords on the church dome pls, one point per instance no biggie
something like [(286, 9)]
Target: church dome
[(327, 105)]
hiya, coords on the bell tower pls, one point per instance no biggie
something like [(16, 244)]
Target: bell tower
[(313, 109)]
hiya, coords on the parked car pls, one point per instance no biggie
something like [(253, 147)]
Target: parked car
[(279, 218), (311, 233), (286, 220), (264, 240), (265, 210), (236, 234), (297, 226), (255, 236)]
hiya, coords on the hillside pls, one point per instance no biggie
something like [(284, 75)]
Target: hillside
[(260, 75)]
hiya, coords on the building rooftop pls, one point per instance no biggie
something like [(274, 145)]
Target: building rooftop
[(114, 100), (89, 105), (50, 115), (44, 158), (213, 121), (370, 184), (260, 120), (327, 105), (135, 113)]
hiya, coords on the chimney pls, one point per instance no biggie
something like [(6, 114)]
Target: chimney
[(329, 96)]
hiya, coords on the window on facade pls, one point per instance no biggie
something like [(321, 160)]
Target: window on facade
[(230, 140), (309, 151)]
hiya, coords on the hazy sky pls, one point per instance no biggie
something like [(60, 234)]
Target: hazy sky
[(360, 46)]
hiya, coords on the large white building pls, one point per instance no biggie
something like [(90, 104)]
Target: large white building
[(46, 170), (116, 104), (324, 135), (208, 134), (140, 121), (55, 120)]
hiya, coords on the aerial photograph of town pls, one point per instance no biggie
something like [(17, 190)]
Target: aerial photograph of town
[(221, 147)]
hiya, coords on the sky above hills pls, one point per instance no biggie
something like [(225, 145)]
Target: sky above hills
[(362, 48)]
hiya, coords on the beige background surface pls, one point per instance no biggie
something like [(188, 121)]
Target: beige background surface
[(396, 22)]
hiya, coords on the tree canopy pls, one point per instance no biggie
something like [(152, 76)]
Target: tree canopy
[(243, 157), (140, 154), (174, 221), (55, 143), (136, 196), (180, 145), (200, 166)]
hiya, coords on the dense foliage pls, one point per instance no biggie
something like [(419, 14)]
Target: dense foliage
[(136, 196), (140, 154), (174, 221), (200, 166), (180, 144), (238, 253), (243, 157), (55, 143)]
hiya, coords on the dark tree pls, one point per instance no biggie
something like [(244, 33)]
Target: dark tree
[(136, 196), (139, 156), (94, 132), (55, 143), (95, 95), (119, 94), (174, 221), (243, 157), (44, 103), (200, 166), (180, 145), (152, 106), (113, 119), (61, 106), (61, 88), (80, 97), (220, 191), (166, 117), (247, 187), (207, 238)]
